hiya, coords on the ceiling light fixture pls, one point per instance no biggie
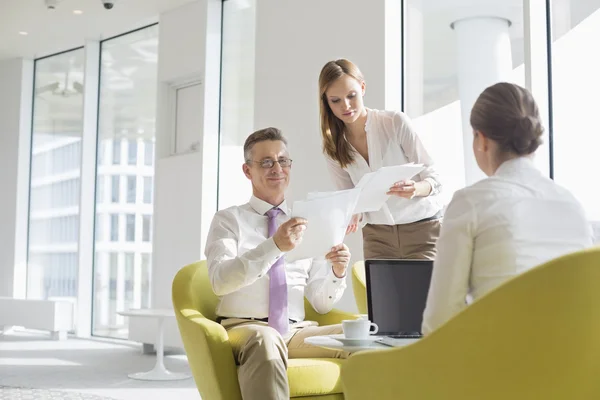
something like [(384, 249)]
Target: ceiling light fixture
[(23, 33), (77, 12)]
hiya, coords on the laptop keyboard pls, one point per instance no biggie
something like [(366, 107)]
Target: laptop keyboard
[(406, 335)]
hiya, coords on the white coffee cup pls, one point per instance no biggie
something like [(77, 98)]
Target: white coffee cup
[(358, 328)]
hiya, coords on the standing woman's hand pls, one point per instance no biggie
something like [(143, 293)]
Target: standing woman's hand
[(408, 189), (353, 225), (405, 189)]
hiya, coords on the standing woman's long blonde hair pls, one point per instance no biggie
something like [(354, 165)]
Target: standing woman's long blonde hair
[(332, 128)]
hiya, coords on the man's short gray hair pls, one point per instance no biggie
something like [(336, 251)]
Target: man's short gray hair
[(261, 136)]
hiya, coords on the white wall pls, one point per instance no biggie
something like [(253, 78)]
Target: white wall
[(185, 192), (293, 42), (16, 81)]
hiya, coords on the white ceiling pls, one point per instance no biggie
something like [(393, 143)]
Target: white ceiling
[(52, 31)]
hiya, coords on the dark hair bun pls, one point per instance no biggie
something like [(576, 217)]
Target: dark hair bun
[(507, 114), (526, 137)]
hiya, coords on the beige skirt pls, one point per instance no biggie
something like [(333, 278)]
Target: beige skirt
[(406, 241)]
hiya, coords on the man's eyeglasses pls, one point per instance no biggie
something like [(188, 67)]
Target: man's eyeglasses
[(268, 163)]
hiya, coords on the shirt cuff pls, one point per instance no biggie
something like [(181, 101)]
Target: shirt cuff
[(435, 186), (271, 251), (334, 279)]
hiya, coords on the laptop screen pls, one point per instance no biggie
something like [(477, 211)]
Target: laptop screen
[(397, 293)]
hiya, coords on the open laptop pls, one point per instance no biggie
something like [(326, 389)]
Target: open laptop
[(396, 296)]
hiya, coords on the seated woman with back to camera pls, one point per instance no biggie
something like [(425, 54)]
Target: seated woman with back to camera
[(509, 222)]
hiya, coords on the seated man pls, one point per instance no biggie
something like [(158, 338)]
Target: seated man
[(261, 295)]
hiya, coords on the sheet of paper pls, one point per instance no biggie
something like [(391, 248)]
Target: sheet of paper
[(375, 185), (328, 216)]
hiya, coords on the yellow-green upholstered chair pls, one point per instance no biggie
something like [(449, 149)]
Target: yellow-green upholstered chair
[(359, 286), (535, 337), (209, 352)]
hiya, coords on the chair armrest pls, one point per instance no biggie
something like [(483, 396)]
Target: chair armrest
[(209, 355)]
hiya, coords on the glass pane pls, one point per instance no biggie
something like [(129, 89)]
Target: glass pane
[(146, 279), (575, 88), (116, 152), (115, 188), (130, 227), (128, 77), (148, 189), (146, 228), (237, 98), (443, 71), (55, 177), (131, 189), (100, 189), (148, 153), (129, 276), (114, 228), (132, 152), (100, 229)]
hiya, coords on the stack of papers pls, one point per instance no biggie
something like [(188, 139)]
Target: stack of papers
[(375, 185), (329, 213)]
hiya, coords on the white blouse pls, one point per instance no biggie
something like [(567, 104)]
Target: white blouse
[(499, 228), (391, 140)]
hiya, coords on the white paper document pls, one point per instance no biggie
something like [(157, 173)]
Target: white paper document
[(375, 185), (328, 215)]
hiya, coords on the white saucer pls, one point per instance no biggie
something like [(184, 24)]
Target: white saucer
[(355, 342)]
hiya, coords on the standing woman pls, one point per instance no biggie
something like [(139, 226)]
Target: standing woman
[(358, 140)]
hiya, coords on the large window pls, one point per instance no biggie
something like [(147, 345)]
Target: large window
[(237, 99), (575, 88), (449, 58), (55, 177), (126, 136)]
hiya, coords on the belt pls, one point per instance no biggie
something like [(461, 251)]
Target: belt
[(219, 319)]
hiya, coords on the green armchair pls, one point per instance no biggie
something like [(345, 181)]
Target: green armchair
[(209, 352)]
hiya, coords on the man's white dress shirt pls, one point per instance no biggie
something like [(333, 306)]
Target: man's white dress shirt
[(240, 254), (499, 228), (392, 140)]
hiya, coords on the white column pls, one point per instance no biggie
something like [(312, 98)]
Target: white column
[(85, 275), (415, 70), (393, 55), (16, 80), (484, 58), (189, 54)]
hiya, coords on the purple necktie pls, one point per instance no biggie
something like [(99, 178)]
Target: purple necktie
[(278, 292)]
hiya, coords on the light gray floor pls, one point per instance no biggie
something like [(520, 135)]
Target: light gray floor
[(100, 367)]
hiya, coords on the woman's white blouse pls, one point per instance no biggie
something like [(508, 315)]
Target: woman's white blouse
[(497, 229), (391, 140)]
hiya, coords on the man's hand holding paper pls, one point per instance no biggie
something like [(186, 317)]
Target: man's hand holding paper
[(339, 257), (289, 234)]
